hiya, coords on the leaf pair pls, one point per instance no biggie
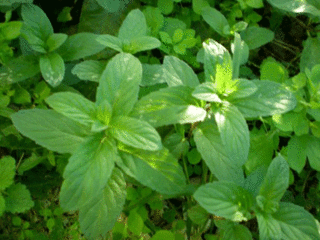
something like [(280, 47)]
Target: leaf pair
[(132, 36), (54, 48)]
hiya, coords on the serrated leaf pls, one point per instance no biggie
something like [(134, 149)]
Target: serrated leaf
[(257, 36), (234, 133), (18, 199), (89, 70), (270, 98), (80, 45), (111, 42), (101, 213), (198, 214), (296, 223), (154, 19), (87, 172), (153, 167), (52, 68), (73, 106), (133, 26), (269, 228), (212, 150), (216, 20), (119, 83), (7, 172), (50, 129), (55, 41), (135, 133), (225, 199), (169, 106), (276, 181), (176, 72)]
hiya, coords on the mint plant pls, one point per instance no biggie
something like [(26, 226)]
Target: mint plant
[(105, 142)]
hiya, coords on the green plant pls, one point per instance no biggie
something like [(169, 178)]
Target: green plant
[(196, 129)]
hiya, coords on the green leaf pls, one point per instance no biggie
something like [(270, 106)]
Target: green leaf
[(73, 106), (111, 42), (110, 5), (55, 41), (296, 223), (261, 150), (10, 30), (52, 68), (153, 167), (310, 53), (297, 152), (50, 129), (209, 145), (214, 53), (269, 228), (198, 5), (270, 98), (207, 92), (2, 205), (7, 172), (37, 26), (80, 45), (140, 44), (176, 72), (133, 26), (166, 6), (276, 181), (254, 3), (30, 163), (313, 152), (169, 106), (225, 199), (18, 199), (234, 133), (296, 6), (101, 213), (135, 133), (198, 214), (89, 70), (242, 88), (257, 36), (21, 96), (240, 52), (135, 223), (152, 74), (274, 71), (165, 37), (154, 19), (19, 69), (87, 172), (163, 234), (237, 232), (216, 20), (119, 83)]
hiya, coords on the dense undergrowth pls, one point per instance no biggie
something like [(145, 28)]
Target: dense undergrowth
[(160, 119)]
